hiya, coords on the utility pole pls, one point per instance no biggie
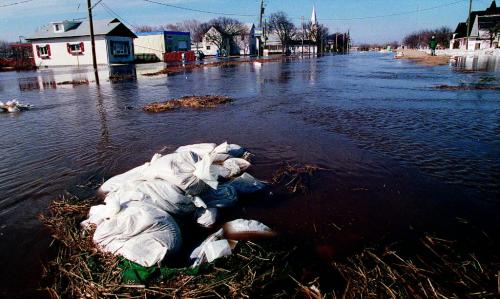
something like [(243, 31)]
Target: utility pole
[(261, 14), (468, 25), (348, 41), (264, 31), (303, 34), (336, 41), (92, 41)]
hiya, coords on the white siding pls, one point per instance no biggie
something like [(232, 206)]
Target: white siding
[(60, 56), (150, 44), (213, 48)]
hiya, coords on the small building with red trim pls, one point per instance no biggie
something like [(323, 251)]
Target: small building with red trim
[(67, 43)]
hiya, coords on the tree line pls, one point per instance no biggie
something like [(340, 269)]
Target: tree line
[(420, 39)]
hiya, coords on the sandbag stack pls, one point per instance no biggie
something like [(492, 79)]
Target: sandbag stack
[(13, 106), (136, 220)]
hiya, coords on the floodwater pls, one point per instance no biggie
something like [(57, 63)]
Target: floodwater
[(398, 153)]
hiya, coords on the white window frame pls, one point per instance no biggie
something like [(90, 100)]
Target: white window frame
[(44, 51), (124, 51), (75, 48), (58, 28)]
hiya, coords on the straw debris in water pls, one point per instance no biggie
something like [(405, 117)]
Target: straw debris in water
[(296, 178), (468, 87), (190, 67), (74, 82), (121, 77), (195, 102)]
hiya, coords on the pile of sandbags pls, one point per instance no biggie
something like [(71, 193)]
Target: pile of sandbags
[(13, 106), (137, 221)]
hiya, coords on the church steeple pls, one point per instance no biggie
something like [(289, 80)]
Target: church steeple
[(314, 20), (493, 4)]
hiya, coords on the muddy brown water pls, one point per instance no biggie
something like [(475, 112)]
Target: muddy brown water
[(400, 155)]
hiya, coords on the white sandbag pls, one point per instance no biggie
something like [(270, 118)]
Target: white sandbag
[(245, 226), (236, 166), (203, 170), (220, 171), (185, 170), (232, 228), (217, 249), (200, 149), (167, 197), (206, 217), (231, 149), (247, 184), (140, 232), (118, 181), (199, 203), (13, 109), (219, 158), (99, 213), (223, 197), (198, 254)]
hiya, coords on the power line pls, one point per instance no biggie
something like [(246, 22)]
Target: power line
[(199, 10), (15, 3), (112, 12), (395, 14)]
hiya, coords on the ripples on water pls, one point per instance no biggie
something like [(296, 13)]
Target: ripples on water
[(376, 123)]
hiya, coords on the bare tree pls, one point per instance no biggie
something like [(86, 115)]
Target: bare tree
[(280, 24), (4, 48), (394, 44), (145, 28), (320, 36), (421, 38)]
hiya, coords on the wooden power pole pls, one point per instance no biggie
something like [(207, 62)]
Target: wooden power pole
[(468, 25), (303, 34), (92, 41)]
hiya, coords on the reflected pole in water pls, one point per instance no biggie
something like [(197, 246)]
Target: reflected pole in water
[(104, 142), (92, 41), (468, 26)]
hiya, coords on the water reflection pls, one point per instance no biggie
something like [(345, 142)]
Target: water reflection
[(487, 63)]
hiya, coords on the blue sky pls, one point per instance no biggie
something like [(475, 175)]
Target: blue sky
[(24, 18)]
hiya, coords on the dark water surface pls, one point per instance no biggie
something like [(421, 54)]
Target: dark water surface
[(399, 153)]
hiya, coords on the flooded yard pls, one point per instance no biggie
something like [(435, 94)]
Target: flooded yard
[(400, 156)]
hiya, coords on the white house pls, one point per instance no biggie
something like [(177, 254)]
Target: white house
[(67, 43), (208, 47), (481, 33), (244, 43)]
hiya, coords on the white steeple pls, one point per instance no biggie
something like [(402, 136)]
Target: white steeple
[(314, 20)]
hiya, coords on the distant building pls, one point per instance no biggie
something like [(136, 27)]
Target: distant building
[(241, 44), (484, 31), (68, 43), (272, 44), (160, 42)]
